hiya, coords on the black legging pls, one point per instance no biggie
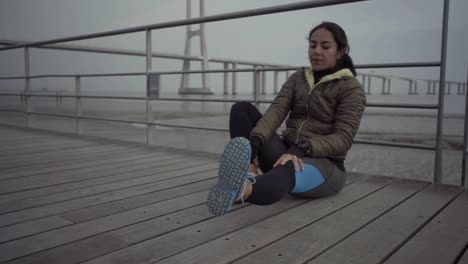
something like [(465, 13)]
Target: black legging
[(275, 182), (280, 180)]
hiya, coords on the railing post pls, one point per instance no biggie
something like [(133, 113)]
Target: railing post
[(27, 87), (57, 98), (225, 79), (416, 87), (234, 79), (384, 81), (263, 81), (388, 86), (78, 103), (364, 83), (465, 140), (440, 112), (275, 83), (149, 111), (256, 87)]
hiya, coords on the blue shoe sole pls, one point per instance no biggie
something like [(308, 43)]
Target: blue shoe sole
[(233, 168)]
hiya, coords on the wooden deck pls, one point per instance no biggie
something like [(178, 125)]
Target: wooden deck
[(65, 199)]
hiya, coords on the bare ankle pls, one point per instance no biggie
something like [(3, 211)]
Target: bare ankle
[(253, 169)]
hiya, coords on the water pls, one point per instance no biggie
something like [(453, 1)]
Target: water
[(388, 124)]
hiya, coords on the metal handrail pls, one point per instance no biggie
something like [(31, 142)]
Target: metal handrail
[(199, 20), (139, 53), (263, 69), (257, 78), (217, 100), (359, 141), (465, 140)]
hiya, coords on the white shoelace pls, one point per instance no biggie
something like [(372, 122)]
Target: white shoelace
[(250, 179)]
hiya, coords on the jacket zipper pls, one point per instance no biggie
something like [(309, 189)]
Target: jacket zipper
[(303, 122), (308, 114)]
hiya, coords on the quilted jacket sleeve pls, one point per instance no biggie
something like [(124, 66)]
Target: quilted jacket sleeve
[(277, 112)]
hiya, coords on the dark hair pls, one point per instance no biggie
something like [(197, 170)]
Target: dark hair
[(342, 41)]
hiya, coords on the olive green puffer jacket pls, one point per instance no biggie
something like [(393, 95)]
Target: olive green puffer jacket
[(327, 114)]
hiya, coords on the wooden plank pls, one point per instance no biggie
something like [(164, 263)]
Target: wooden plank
[(84, 160), (51, 143), (41, 161), (35, 227), (50, 154), (82, 192), (87, 173), (24, 188), (18, 153), (32, 227), (187, 183), (306, 243), (42, 211), (103, 243), (14, 141), (464, 258), (379, 239), (55, 156), (440, 241), (29, 245), (71, 166), (215, 241)]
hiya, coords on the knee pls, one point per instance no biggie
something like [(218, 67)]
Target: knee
[(241, 107)]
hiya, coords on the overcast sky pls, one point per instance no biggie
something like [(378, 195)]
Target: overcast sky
[(380, 31)]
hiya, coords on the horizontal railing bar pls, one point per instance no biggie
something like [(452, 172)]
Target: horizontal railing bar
[(184, 22), (399, 65), (394, 65), (415, 106), (359, 141), (138, 53), (386, 105), (130, 121), (383, 105), (393, 144), (75, 75), (12, 110)]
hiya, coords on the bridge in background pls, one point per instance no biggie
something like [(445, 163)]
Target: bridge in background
[(231, 66)]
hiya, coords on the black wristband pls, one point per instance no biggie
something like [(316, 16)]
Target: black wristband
[(294, 150), (304, 146), (300, 149)]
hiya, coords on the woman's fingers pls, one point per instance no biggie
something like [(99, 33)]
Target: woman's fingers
[(298, 163), (301, 163), (280, 161)]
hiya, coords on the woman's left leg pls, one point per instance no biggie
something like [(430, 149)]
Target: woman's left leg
[(320, 178)]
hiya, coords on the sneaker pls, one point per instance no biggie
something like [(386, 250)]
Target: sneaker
[(233, 176)]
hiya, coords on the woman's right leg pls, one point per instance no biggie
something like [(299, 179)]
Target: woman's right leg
[(275, 182), (242, 119)]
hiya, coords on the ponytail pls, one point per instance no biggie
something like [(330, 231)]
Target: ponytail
[(346, 62)]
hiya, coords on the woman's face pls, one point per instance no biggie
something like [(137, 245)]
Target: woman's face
[(323, 50)]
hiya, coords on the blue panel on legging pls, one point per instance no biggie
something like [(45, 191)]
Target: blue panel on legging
[(308, 179)]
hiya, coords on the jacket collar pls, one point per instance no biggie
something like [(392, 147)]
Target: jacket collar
[(343, 73)]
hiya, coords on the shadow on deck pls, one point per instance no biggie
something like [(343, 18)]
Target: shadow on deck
[(66, 199)]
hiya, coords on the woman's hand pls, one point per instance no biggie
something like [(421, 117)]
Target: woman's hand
[(289, 157)]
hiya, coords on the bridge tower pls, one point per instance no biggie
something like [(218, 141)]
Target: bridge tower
[(184, 82)]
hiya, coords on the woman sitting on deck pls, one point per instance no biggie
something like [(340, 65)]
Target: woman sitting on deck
[(325, 104)]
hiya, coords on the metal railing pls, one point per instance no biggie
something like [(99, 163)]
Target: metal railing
[(256, 74), (465, 140), (234, 63)]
